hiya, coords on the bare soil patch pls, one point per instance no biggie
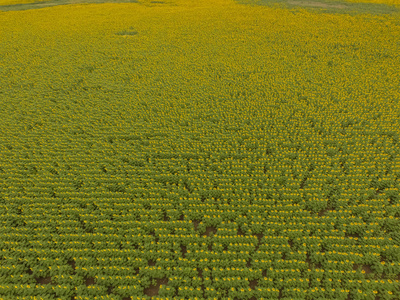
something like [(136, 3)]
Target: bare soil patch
[(51, 3), (316, 4)]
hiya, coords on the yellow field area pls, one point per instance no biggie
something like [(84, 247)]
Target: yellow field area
[(239, 35), (11, 2), (199, 149)]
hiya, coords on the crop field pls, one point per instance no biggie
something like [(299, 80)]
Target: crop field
[(200, 149)]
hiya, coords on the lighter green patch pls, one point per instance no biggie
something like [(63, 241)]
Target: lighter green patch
[(329, 6)]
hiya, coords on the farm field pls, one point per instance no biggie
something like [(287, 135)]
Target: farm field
[(208, 149)]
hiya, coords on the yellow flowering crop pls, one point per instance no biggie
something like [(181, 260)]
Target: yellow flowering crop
[(212, 148)]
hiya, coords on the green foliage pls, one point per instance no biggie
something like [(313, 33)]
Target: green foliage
[(198, 149)]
